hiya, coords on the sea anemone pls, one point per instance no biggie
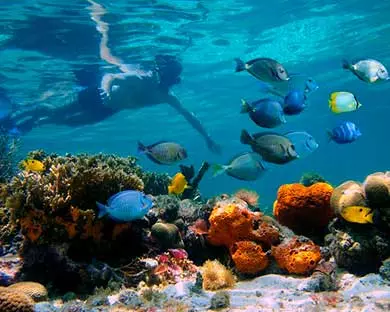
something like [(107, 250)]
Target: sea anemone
[(216, 276)]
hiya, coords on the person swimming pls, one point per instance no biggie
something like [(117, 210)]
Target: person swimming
[(131, 88)]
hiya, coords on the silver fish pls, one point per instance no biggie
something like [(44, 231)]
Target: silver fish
[(368, 70), (163, 152), (273, 147), (245, 166)]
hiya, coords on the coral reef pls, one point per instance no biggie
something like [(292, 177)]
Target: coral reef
[(248, 196), (216, 276), (36, 291), (10, 268), (361, 248), (167, 235), (310, 178), (298, 255), (248, 257), (305, 210), (13, 301)]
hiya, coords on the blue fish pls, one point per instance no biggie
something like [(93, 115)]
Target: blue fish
[(346, 132), (126, 206), (304, 142), (266, 113), (294, 102)]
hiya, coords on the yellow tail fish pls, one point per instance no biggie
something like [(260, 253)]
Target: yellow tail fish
[(178, 185), (33, 165), (357, 214)]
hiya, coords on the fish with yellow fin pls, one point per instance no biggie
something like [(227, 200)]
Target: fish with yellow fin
[(358, 214), (343, 102), (178, 184), (33, 165)]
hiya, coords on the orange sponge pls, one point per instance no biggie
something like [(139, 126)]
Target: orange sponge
[(304, 209), (230, 222), (248, 257), (296, 256)]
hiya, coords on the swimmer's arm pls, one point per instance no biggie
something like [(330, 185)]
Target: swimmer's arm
[(194, 121)]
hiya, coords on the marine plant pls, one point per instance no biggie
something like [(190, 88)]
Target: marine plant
[(216, 276), (9, 147), (310, 178)]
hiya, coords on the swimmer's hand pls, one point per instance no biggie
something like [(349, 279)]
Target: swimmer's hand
[(213, 146)]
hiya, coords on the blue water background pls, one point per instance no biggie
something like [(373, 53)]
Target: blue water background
[(306, 36)]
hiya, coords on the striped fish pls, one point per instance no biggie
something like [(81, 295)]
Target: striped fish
[(346, 132)]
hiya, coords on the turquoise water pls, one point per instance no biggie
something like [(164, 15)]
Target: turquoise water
[(306, 36)]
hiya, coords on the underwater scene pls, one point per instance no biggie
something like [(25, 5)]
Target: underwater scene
[(192, 155)]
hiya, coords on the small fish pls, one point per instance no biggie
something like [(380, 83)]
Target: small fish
[(126, 206), (346, 132), (343, 102), (178, 184), (273, 147), (310, 86), (304, 143), (294, 102), (368, 70), (163, 152), (265, 69), (266, 113), (246, 167), (358, 214), (33, 165)]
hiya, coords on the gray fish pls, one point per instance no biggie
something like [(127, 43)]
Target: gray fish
[(163, 153), (246, 166), (273, 147), (368, 70), (264, 69)]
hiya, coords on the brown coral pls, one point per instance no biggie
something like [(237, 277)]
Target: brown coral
[(304, 209), (266, 234), (249, 257), (248, 196), (12, 301), (295, 256), (216, 276), (36, 291)]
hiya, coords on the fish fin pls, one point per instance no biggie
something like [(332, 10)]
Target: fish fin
[(245, 137), (102, 209), (330, 135), (218, 169), (245, 107), (240, 65), (170, 189), (188, 187), (369, 217), (141, 149), (346, 64)]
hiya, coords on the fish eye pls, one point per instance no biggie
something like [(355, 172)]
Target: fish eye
[(360, 210), (293, 147)]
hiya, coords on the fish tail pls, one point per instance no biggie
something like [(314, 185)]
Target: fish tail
[(102, 210), (330, 135), (245, 107), (218, 169), (369, 217), (240, 65), (245, 137), (141, 149), (346, 64)]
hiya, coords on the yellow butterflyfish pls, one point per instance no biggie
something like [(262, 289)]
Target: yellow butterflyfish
[(357, 214), (343, 102)]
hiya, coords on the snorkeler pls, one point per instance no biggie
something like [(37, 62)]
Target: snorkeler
[(100, 99)]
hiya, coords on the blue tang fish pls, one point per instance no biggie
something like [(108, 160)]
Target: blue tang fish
[(266, 113), (346, 132), (126, 206), (304, 142), (294, 102)]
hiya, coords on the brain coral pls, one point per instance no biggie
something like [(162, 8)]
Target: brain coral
[(248, 257), (304, 209), (36, 291), (296, 256), (12, 301)]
